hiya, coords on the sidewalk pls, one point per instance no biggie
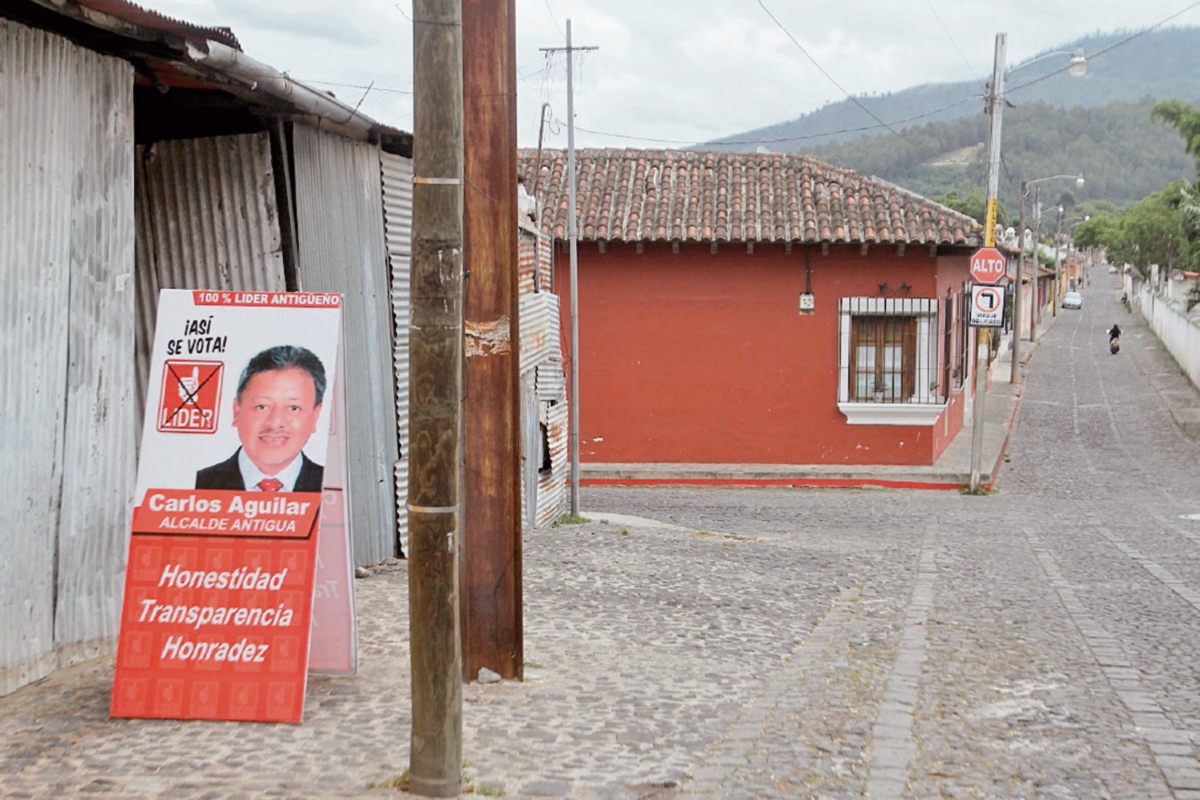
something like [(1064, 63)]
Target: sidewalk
[(952, 470)]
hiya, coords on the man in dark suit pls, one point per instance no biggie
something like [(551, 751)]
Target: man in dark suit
[(275, 410)]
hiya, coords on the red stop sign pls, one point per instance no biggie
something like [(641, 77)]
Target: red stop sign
[(988, 265)]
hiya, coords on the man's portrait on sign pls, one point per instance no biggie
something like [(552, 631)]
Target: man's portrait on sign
[(276, 409)]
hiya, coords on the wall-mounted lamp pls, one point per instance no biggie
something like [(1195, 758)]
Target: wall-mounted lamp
[(883, 287), (904, 287), (808, 303)]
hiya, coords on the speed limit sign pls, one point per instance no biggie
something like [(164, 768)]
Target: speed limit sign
[(987, 306)]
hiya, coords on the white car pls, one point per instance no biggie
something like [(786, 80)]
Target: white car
[(1072, 300), (1112, 269)]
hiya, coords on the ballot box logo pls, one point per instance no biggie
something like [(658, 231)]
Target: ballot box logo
[(191, 396)]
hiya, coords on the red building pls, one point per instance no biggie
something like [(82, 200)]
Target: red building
[(739, 308)]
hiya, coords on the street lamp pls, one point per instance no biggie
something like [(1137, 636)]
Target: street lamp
[(1015, 377), (1076, 66), (1058, 287), (994, 106)]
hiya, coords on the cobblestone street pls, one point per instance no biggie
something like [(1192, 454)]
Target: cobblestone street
[(1038, 642)]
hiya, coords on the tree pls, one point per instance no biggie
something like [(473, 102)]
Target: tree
[(1186, 120), (1098, 232), (972, 204), (1151, 233)]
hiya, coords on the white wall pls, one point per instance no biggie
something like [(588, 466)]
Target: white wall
[(1178, 334)]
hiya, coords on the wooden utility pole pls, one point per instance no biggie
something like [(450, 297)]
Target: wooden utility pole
[(435, 386), (491, 555)]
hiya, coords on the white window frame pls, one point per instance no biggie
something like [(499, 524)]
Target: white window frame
[(925, 407)]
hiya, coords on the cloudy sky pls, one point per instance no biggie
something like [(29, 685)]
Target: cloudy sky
[(672, 72)]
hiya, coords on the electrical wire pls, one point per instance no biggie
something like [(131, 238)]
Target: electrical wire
[(950, 36), (1099, 53), (881, 124), (551, 10), (780, 140), (849, 96), (370, 87)]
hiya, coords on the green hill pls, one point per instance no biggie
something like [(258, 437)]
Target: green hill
[(1121, 153), (1161, 64)]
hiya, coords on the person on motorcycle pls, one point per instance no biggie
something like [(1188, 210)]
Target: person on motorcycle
[(1114, 333)]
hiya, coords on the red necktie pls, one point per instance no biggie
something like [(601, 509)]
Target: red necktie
[(270, 485)]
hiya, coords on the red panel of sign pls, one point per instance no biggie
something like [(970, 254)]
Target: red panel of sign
[(283, 515), (988, 265), (190, 399), (215, 628)]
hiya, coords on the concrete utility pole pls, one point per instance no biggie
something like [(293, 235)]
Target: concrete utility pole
[(1015, 377), (995, 102), (1057, 240), (435, 378), (573, 239), (491, 530)]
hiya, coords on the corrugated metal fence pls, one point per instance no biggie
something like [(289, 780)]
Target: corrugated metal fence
[(66, 332), (207, 219), (544, 390), (397, 216), (339, 217)]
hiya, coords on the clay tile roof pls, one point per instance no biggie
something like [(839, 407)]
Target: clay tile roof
[(695, 196)]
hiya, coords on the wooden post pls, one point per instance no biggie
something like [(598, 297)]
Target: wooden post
[(491, 598), (435, 386)]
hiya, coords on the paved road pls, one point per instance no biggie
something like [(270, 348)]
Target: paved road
[(1038, 642)]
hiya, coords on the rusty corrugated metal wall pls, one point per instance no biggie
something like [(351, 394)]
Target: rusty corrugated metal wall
[(66, 336), (397, 217), (208, 218), (544, 390), (340, 233)]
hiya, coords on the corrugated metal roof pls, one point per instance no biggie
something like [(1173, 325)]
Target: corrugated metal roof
[(155, 21), (694, 196)]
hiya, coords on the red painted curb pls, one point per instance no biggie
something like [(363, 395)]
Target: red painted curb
[(798, 483), (817, 483), (1012, 414)]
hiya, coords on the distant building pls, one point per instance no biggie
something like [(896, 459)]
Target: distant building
[(752, 308)]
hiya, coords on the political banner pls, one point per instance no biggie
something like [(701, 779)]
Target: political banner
[(218, 607)]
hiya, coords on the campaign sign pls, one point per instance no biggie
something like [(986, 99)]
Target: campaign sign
[(218, 607), (334, 649)]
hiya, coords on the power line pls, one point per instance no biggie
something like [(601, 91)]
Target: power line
[(881, 124), (779, 140), (371, 87), (952, 40), (551, 10), (1099, 53), (849, 96)]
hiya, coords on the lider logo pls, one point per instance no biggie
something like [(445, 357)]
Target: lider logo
[(191, 396)]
